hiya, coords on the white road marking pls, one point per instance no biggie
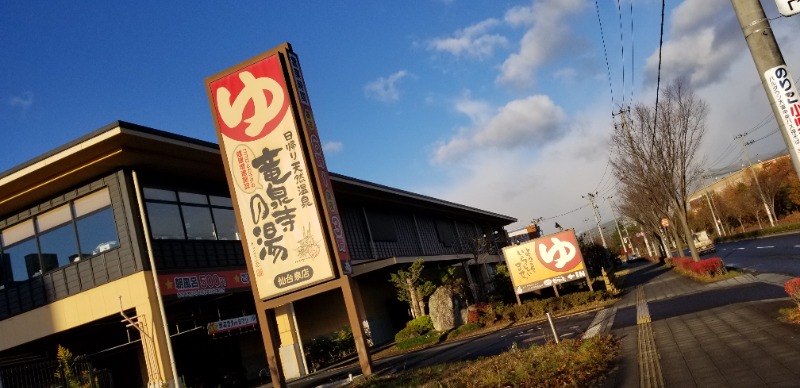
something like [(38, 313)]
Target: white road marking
[(740, 248), (764, 247)]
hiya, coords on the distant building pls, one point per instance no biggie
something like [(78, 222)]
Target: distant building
[(527, 233), (97, 235)]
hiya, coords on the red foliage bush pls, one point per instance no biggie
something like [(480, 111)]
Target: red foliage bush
[(792, 288), (707, 267), (482, 314)]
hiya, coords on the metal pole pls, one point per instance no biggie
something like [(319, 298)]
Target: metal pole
[(621, 240), (772, 71), (552, 327), (176, 382), (755, 177), (596, 218)]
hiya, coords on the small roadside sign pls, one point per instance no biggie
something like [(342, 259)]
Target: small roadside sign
[(788, 7)]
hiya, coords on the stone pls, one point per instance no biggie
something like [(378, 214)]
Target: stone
[(444, 308)]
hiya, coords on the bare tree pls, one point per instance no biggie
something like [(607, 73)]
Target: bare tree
[(655, 151)]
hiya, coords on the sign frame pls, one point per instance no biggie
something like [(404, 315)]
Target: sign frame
[(530, 271), (298, 118)]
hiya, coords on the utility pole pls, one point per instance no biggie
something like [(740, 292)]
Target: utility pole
[(774, 74), (710, 206), (755, 177), (621, 239), (590, 197)]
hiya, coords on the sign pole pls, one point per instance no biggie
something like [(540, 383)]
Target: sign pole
[(772, 70), (269, 334)]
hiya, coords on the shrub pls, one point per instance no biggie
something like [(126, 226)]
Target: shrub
[(792, 288), (415, 328), (325, 350), (483, 314), (709, 267)]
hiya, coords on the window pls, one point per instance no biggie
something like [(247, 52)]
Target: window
[(381, 225), (183, 215), (57, 237), (19, 249), (81, 228), (446, 233)]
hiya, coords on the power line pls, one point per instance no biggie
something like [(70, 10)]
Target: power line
[(633, 69), (604, 174), (605, 51), (563, 214), (658, 78), (622, 50)]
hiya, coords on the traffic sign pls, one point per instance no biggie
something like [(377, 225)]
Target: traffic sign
[(788, 7)]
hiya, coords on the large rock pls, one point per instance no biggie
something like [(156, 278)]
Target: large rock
[(444, 307)]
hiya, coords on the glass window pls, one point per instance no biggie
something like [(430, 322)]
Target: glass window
[(59, 246), (59, 235), (225, 221), (97, 232), (160, 195), (91, 203), (57, 238), (19, 251), (199, 199), (24, 259), (165, 221), (221, 201), (197, 220)]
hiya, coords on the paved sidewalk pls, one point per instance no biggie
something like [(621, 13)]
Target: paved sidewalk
[(676, 332)]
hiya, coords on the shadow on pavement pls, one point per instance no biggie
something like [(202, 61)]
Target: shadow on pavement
[(696, 302)]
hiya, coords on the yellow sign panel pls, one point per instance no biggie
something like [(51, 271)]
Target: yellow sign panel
[(545, 262), (271, 178)]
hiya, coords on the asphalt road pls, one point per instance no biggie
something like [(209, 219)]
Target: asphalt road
[(468, 349), (778, 254)]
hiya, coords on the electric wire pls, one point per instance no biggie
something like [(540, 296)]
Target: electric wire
[(767, 135), (633, 69), (658, 77), (605, 51), (563, 214), (605, 170), (622, 50)]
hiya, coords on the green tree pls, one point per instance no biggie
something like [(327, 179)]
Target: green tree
[(412, 287)]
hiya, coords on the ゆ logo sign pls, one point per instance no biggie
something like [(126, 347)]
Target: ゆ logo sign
[(253, 102), (559, 257)]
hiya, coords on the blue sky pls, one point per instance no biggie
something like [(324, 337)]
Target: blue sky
[(501, 105)]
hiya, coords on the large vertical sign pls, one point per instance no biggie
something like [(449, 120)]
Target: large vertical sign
[(276, 174), (545, 262), (787, 101)]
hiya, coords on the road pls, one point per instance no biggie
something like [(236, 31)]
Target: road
[(468, 349), (777, 254)]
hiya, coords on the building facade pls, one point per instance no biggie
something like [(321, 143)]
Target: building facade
[(122, 246)]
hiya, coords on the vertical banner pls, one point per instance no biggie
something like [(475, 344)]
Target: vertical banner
[(545, 262), (281, 213)]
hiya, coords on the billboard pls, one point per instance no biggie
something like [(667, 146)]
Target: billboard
[(191, 284), (277, 173), (545, 262)]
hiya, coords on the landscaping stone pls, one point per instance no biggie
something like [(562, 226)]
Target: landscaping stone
[(445, 309)]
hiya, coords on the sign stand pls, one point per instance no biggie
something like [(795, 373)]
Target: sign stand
[(285, 207)]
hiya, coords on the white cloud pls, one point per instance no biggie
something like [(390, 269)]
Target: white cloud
[(527, 184), (568, 73), (332, 147), (23, 101), (712, 36), (385, 89), (548, 35), (473, 41), (523, 122)]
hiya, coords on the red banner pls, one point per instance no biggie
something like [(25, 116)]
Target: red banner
[(187, 285)]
